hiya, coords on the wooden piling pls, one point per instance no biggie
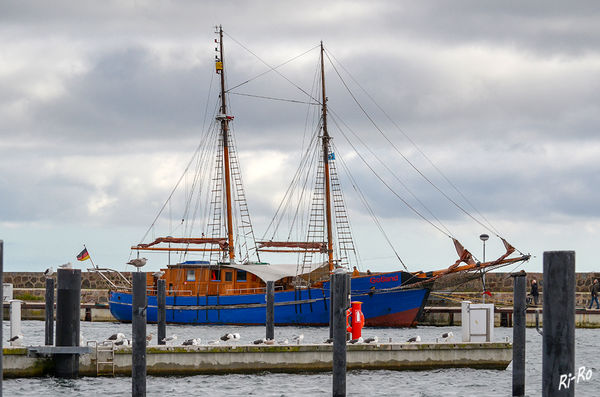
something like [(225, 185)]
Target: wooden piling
[(138, 335), (558, 348), (270, 320), (68, 298), (161, 332), (340, 298), (49, 313), (519, 310)]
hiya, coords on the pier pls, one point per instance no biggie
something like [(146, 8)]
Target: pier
[(23, 362)]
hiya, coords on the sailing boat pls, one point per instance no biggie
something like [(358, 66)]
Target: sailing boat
[(229, 287)]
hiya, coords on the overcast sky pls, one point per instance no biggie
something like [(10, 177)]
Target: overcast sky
[(102, 104)]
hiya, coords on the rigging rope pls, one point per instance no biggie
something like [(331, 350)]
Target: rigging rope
[(270, 68), (444, 176), (399, 152), (369, 208), (273, 98), (274, 69), (412, 208)]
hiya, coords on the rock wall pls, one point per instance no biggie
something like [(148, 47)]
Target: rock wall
[(89, 280), (503, 282)]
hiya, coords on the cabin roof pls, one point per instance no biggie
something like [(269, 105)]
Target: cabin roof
[(264, 271)]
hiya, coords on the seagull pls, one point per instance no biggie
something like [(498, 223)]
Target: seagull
[(49, 272), (230, 337), (298, 338), (447, 336), (138, 262), (66, 266), (269, 341), (149, 338), (170, 338), (158, 274), (116, 337), (16, 338), (123, 342), (372, 340), (214, 342), (414, 339), (259, 341), (192, 342), (358, 340), (283, 342), (81, 339), (328, 340)]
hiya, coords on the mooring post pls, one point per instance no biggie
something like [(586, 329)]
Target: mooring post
[(49, 330), (161, 297), (331, 306), (270, 310), (558, 347), (15, 322), (340, 299), (2, 312), (138, 335), (519, 312), (68, 303)]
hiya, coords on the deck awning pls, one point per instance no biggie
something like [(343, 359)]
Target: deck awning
[(274, 272)]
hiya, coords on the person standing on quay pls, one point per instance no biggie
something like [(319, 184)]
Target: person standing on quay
[(594, 289), (535, 294)]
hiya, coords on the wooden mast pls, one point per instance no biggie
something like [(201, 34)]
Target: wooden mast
[(326, 139), (224, 131)]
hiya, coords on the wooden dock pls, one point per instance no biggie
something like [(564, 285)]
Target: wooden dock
[(22, 362)]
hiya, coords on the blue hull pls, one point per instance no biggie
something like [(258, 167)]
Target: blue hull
[(381, 307)]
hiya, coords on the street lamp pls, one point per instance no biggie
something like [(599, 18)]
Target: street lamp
[(484, 237)]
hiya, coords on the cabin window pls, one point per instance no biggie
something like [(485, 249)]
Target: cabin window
[(241, 275), (215, 275), (190, 275), (228, 276)]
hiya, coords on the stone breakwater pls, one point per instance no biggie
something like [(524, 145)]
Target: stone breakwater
[(95, 289), (89, 280)]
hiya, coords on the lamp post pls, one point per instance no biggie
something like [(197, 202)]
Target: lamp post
[(484, 237)]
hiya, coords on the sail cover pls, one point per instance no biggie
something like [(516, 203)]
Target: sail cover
[(271, 272)]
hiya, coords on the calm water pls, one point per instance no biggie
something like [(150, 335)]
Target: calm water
[(446, 382)]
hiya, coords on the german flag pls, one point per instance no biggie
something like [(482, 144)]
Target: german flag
[(83, 255)]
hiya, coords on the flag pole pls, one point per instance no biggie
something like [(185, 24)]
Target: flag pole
[(88, 252)]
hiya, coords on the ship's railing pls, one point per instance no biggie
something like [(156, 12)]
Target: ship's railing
[(120, 283), (179, 292), (256, 290)]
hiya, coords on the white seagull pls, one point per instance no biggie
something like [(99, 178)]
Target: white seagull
[(49, 272), (298, 338), (158, 274), (66, 266), (447, 336), (123, 342), (170, 338), (357, 340), (230, 337), (116, 337), (414, 339), (138, 262), (372, 340), (192, 342)]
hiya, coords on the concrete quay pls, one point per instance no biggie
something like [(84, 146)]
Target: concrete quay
[(191, 360)]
